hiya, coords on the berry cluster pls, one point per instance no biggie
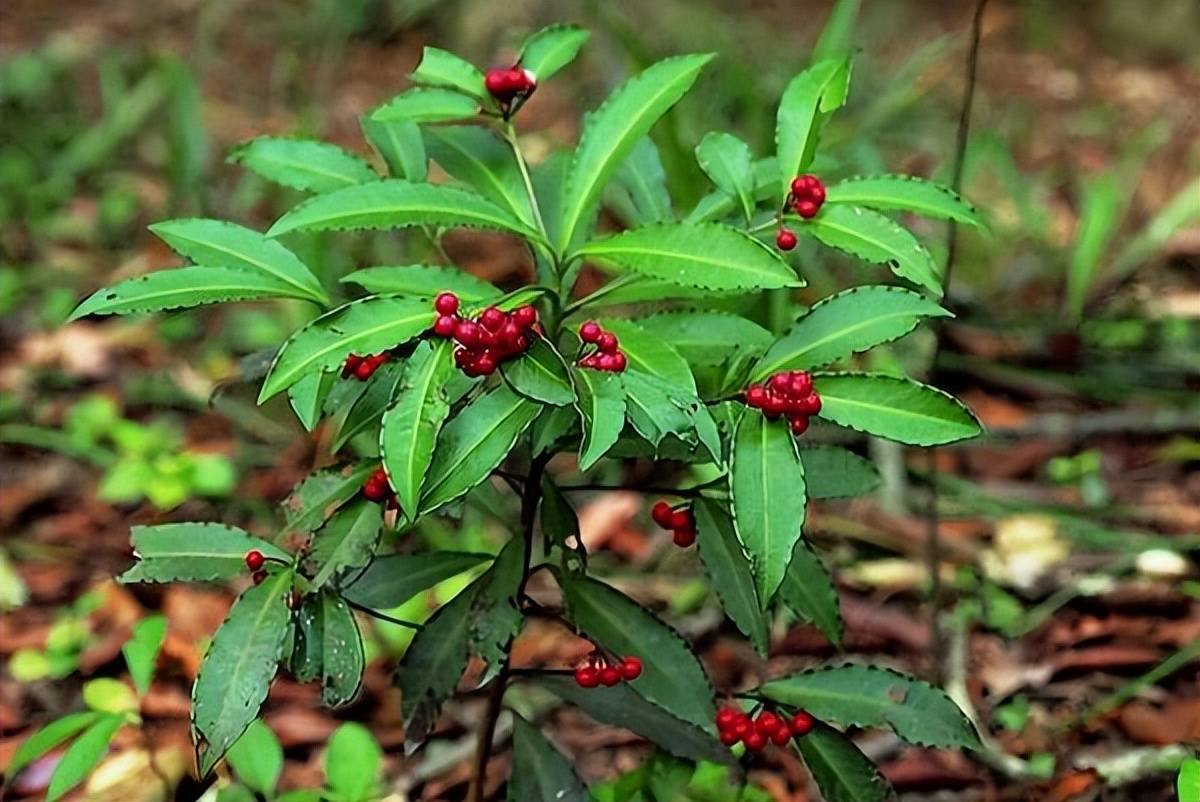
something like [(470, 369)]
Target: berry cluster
[(607, 355), (507, 84), (733, 726), (806, 197), (363, 367), (491, 338), (681, 521), (789, 393), (377, 489), (596, 670), (255, 561)]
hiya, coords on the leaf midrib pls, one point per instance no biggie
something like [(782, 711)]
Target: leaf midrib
[(768, 368), (313, 290), (600, 250), (452, 468), (893, 411), (412, 478)]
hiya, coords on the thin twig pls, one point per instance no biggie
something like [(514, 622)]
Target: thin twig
[(383, 616)]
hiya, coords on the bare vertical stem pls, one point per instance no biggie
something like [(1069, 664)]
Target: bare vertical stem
[(933, 546)]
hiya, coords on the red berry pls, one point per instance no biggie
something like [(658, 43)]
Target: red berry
[(785, 239), (364, 370), (801, 384), (729, 737), (375, 491), (755, 741), (610, 676), (509, 333), (590, 332), (743, 726), (780, 383), (591, 361), (802, 723), (467, 332), (587, 676), (727, 717), (807, 209), (255, 559), (607, 343), (631, 668), (813, 404), (617, 362), (774, 406), (258, 577), (799, 425), (662, 514), (816, 193), (446, 303), (681, 519), (767, 722), (604, 362), (498, 83), (379, 475), (492, 318), (444, 326), (526, 82), (463, 357), (351, 364), (485, 365), (781, 736), (756, 396), (684, 537), (521, 344), (524, 316), (800, 186)]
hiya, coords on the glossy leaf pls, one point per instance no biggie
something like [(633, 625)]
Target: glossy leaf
[(809, 592), (411, 424), (257, 759), (474, 443), (345, 543), (239, 666), (869, 696), (427, 106), (308, 396), (182, 288), (540, 374), (47, 738), (671, 677), (316, 498), (193, 552), (217, 243), (540, 771), (729, 567), (652, 408), (393, 579), (433, 665), (904, 193), (707, 255), (83, 755), (726, 160), (443, 69), (398, 204), (424, 281), (808, 97), (611, 132), (876, 238), (303, 164), (647, 353), (767, 485), (602, 405), (832, 472), (547, 51), (399, 144), (703, 337), (342, 656), (894, 408), (840, 769), (477, 157), (368, 326), (141, 650), (844, 324)]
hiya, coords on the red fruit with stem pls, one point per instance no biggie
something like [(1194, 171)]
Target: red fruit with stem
[(631, 668), (785, 239), (610, 676), (799, 425), (662, 514), (807, 209), (255, 559), (446, 303), (755, 741), (684, 537), (525, 316), (727, 717), (258, 577), (802, 723), (590, 332), (492, 318), (587, 676), (607, 343), (729, 737), (444, 326), (756, 396)]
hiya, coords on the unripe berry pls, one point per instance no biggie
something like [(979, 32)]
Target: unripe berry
[(684, 538), (802, 723), (799, 425), (610, 676), (607, 343), (444, 326), (755, 741), (785, 239), (662, 514), (590, 331), (467, 332), (631, 668), (255, 559), (807, 209), (258, 577), (492, 318), (525, 316), (587, 676), (446, 303), (756, 396)]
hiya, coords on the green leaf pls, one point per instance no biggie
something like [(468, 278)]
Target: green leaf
[(869, 696), (840, 769), (729, 567), (411, 424), (367, 326), (108, 695), (239, 666), (352, 763), (647, 353), (308, 396), (553, 425), (540, 374), (346, 542), (366, 411), (1104, 200), (808, 591), (836, 39), (540, 772), (306, 650), (193, 552), (644, 179), (767, 483), (424, 281), (477, 157), (182, 288), (47, 738), (316, 498), (1188, 783), (427, 106), (726, 160), (894, 408), (559, 520), (141, 650), (611, 132), (671, 677), (876, 238), (652, 408), (303, 164), (398, 204), (433, 665), (904, 193), (832, 472), (474, 443), (399, 144), (622, 706), (844, 324), (393, 579), (718, 203), (602, 407), (707, 255), (217, 243), (443, 69), (706, 338), (547, 51), (83, 755), (342, 657), (805, 103), (257, 759)]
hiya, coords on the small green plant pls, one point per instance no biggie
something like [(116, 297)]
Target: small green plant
[(439, 389)]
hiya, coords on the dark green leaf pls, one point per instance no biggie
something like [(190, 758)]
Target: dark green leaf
[(316, 498), (652, 409), (141, 650), (476, 157), (552, 426), (182, 288), (393, 579), (302, 164), (558, 518), (193, 552), (808, 591), (366, 411), (653, 355), (304, 662), (547, 51), (427, 106), (876, 238), (433, 664), (906, 193), (411, 424), (540, 773), (840, 769), (443, 69), (83, 755), (602, 405), (729, 567), (894, 408), (424, 281), (541, 375), (346, 542), (308, 395), (342, 658), (831, 472)]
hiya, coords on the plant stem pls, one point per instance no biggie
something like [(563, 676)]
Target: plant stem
[(383, 616), (531, 496), (510, 136)]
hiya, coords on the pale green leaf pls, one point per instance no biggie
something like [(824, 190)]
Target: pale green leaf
[(141, 650), (257, 758), (352, 763), (876, 238), (443, 69), (47, 738), (424, 281), (303, 164), (904, 193), (399, 144), (807, 99), (183, 288), (642, 176), (547, 51), (727, 160), (477, 157), (83, 755), (427, 106), (706, 338), (894, 408)]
